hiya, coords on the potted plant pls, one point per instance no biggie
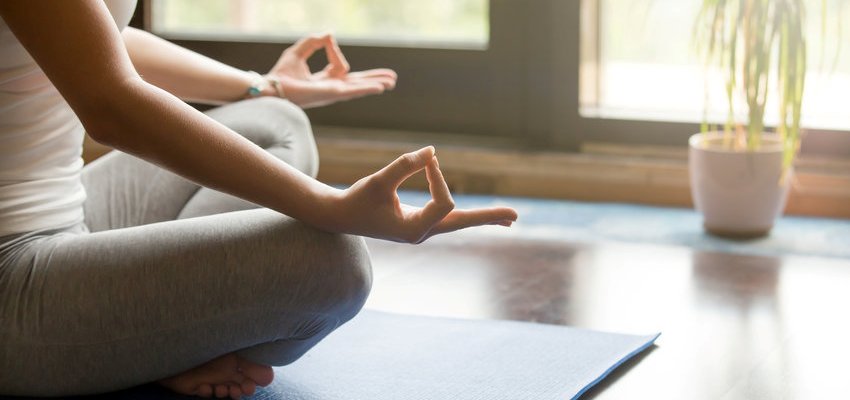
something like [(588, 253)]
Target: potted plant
[(740, 175)]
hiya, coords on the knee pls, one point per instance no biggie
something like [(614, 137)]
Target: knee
[(349, 274), (311, 270), (285, 122), (266, 121), (329, 273), (288, 128), (292, 115)]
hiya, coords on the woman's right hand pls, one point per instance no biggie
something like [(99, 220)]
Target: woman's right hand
[(332, 84), (371, 206)]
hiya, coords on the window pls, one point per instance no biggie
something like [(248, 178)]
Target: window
[(411, 23), (647, 67), (541, 74), (457, 60)]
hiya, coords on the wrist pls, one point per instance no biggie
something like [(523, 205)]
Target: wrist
[(263, 85), (327, 208)]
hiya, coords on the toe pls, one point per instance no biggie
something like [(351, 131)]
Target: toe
[(235, 392), (205, 390), (221, 391), (248, 387), (261, 374)]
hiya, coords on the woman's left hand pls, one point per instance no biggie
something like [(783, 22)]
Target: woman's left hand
[(371, 206), (333, 83)]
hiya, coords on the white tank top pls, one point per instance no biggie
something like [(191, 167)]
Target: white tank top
[(40, 141)]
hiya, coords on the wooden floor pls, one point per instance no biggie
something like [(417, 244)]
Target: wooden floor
[(733, 326)]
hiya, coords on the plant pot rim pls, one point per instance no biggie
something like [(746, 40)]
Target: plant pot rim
[(771, 143)]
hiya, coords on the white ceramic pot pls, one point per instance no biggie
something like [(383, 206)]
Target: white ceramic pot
[(739, 193)]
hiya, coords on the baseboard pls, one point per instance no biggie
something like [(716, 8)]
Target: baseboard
[(601, 172)]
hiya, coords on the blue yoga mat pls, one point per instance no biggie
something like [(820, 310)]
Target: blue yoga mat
[(383, 356)]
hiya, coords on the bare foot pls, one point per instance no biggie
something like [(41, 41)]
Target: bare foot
[(227, 376)]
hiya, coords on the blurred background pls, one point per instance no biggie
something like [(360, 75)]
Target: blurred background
[(588, 100)]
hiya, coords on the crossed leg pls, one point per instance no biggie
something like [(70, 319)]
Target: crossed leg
[(204, 305)]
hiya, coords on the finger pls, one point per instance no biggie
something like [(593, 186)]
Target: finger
[(506, 223), (323, 95), (436, 182), (386, 82), (404, 166), (318, 96), (348, 91), (441, 202), (460, 219), (337, 64), (387, 77), (374, 73), (305, 47)]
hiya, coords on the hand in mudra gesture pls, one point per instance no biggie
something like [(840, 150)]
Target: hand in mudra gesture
[(371, 206), (333, 83)]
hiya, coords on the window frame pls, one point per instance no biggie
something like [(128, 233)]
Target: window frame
[(537, 54), (816, 142)]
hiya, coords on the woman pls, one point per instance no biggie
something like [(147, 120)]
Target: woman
[(105, 280)]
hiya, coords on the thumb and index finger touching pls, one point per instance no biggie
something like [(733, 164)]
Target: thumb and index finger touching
[(337, 63), (439, 213), (406, 166)]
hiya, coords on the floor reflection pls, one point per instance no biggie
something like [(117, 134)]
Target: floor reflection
[(469, 276), (735, 300), (732, 325)]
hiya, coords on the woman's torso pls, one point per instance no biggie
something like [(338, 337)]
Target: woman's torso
[(40, 141)]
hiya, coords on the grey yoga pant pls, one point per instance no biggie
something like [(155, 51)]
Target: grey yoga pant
[(141, 291)]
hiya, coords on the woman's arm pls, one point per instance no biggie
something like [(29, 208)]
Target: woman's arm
[(191, 76), (78, 46), (184, 73)]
